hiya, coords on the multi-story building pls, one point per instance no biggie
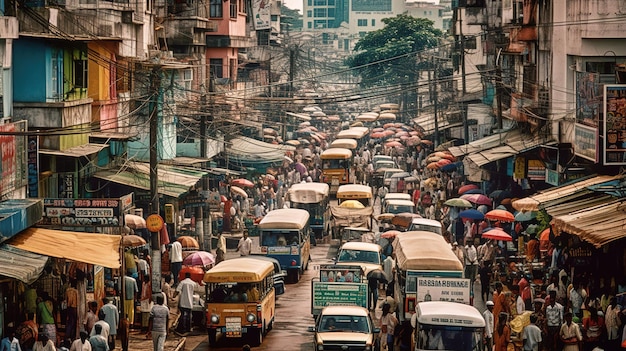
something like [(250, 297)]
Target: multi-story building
[(438, 13)]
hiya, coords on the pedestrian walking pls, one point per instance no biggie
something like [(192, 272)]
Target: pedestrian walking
[(489, 320), (388, 323), (176, 259), (44, 344), (82, 343), (244, 247), (185, 290), (570, 334), (98, 341), (502, 333), (554, 319), (531, 336), (130, 294), (157, 327), (471, 262), (10, 342), (112, 318), (220, 251)]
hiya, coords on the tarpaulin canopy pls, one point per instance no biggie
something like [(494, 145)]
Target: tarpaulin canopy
[(424, 251), (98, 249), (21, 265), (350, 217)]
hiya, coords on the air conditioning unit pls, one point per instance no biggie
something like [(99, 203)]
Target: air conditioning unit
[(130, 17)]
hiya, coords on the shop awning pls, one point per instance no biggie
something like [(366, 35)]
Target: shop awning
[(248, 150), (483, 144), (597, 225), (76, 151), (514, 145), (112, 135), (98, 249), (299, 115), (21, 265), (173, 181), (545, 198)]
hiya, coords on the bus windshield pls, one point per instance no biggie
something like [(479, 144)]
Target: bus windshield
[(335, 163), (451, 338), (348, 255), (316, 211), (280, 238), (354, 324)]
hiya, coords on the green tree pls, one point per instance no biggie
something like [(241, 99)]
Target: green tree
[(389, 55), (291, 17)]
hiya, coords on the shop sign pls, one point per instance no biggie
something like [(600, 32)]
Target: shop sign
[(154, 223), (536, 170), (585, 142), (443, 289), (615, 124), (193, 201), (519, 168), (552, 177), (81, 212), (32, 155)]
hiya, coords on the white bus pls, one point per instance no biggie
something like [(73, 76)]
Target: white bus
[(442, 325)]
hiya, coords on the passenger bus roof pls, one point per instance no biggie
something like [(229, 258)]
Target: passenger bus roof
[(344, 144), (421, 250), (336, 153), (353, 191), (449, 314), (308, 193), (285, 218), (239, 270)]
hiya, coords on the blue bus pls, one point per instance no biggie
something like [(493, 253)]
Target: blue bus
[(313, 197)]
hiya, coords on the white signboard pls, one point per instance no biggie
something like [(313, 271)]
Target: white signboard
[(443, 289), (261, 14)]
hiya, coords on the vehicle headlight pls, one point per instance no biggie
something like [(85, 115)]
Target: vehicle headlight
[(320, 347), (251, 317), (215, 318), (368, 347)]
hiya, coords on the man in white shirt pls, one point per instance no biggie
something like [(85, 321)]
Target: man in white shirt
[(245, 245), (471, 261), (176, 259), (532, 335), (488, 316), (185, 290)]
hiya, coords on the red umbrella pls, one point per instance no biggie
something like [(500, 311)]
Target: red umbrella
[(390, 234), (467, 187), (388, 125), (393, 144), (497, 234), (242, 183), (500, 215), (545, 235), (197, 273), (443, 162), (478, 199), (432, 165), (199, 258), (378, 129), (378, 135)]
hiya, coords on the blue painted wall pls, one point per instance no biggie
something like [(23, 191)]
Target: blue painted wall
[(31, 61)]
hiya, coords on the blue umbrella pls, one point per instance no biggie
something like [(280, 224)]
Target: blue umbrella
[(525, 216), (472, 214), (473, 191), (450, 167)]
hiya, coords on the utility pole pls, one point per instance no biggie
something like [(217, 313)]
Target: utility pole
[(208, 219), (155, 88), (462, 37), (499, 88), (269, 77), (292, 69), (200, 218), (436, 101)]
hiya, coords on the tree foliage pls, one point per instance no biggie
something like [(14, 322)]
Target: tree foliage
[(389, 55), (291, 17)]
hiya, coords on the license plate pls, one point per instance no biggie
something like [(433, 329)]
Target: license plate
[(233, 327)]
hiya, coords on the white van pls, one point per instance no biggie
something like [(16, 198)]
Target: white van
[(399, 206), (427, 225)]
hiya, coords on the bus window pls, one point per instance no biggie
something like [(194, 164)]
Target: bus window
[(280, 238)]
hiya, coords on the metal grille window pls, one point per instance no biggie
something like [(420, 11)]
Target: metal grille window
[(233, 9), (217, 67)]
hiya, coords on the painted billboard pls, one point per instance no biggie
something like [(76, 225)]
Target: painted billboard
[(614, 124), (261, 14)]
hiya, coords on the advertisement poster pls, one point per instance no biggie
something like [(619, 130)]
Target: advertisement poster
[(443, 289), (7, 166), (261, 14), (588, 98), (585, 142), (615, 124)]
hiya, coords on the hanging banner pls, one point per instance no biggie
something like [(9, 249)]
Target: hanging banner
[(615, 124), (261, 14)]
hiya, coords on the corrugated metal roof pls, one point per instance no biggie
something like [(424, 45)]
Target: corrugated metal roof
[(515, 143), (20, 264), (541, 199), (483, 144), (598, 225)]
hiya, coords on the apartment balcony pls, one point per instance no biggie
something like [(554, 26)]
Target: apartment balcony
[(187, 24), (228, 41)]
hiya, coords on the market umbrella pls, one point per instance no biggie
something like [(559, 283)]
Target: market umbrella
[(188, 242), (467, 187), (497, 234), (393, 144), (378, 275), (450, 167), (134, 222), (458, 202), (237, 190), (292, 142), (500, 215), (199, 258), (525, 216), (472, 214), (432, 165), (132, 240), (378, 135), (378, 129), (390, 234), (242, 183), (478, 199), (301, 168), (351, 204), (443, 162), (197, 273), (473, 191), (545, 235)]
